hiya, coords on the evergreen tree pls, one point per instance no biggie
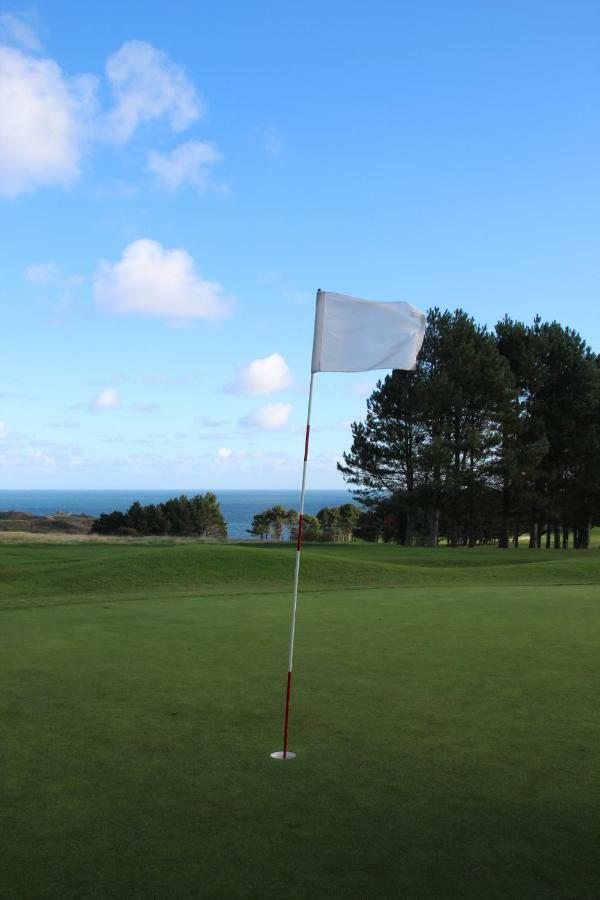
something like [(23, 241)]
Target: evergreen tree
[(430, 438), (109, 523), (212, 522)]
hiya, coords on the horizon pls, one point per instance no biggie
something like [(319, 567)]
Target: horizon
[(165, 239), (283, 490)]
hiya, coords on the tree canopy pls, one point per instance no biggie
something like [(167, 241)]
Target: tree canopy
[(198, 516), (332, 523), (493, 434)]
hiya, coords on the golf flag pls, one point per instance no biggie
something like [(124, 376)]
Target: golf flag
[(353, 335)]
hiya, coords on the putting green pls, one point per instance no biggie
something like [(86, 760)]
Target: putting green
[(445, 716)]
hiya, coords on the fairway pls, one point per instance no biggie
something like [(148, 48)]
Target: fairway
[(445, 715)]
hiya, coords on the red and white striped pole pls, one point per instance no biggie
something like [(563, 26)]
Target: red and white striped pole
[(286, 753)]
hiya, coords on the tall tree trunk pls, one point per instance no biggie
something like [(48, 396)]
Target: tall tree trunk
[(409, 528), (548, 536), (504, 530), (583, 537), (533, 536), (516, 537), (556, 536), (434, 526), (565, 537), (470, 536)]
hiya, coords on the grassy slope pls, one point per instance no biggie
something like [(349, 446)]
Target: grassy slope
[(448, 735), (51, 573)]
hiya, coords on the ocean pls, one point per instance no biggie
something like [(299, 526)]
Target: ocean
[(238, 507)]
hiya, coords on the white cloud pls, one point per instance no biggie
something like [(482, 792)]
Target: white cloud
[(187, 164), (269, 417), (19, 31), (150, 280), (224, 453), (106, 399), (148, 85), (47, 118), (43, 117), (2, 431), (262, 376)]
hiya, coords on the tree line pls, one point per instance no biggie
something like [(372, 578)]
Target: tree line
[(332, 523), (495, 434), (198, 516)]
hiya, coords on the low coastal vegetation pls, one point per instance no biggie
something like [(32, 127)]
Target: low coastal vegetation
[(60, 523)]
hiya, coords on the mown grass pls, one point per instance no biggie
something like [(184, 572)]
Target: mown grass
[(445, 715), (54, 573)]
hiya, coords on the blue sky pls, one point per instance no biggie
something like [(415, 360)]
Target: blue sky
[(177, 180)]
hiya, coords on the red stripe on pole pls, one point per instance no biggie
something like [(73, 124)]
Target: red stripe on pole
[(287, 715), (299, 541), (306, 443)]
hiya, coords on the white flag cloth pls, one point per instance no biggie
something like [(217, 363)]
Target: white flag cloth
[(353, 335)]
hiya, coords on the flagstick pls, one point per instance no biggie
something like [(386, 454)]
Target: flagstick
[(285, 753)]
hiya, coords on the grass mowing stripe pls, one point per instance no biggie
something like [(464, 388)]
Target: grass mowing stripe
[(42, 604)]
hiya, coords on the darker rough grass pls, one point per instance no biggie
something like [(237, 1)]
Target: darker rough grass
[(447, 733)]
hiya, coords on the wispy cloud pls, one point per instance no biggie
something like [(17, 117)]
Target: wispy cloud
[(148, 85), (141, 407), (64, 423), (15, 395), (270, 417), (190, 163), (41, 273), (209, 422), (272, 140), (106, 399), (17, 30)]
